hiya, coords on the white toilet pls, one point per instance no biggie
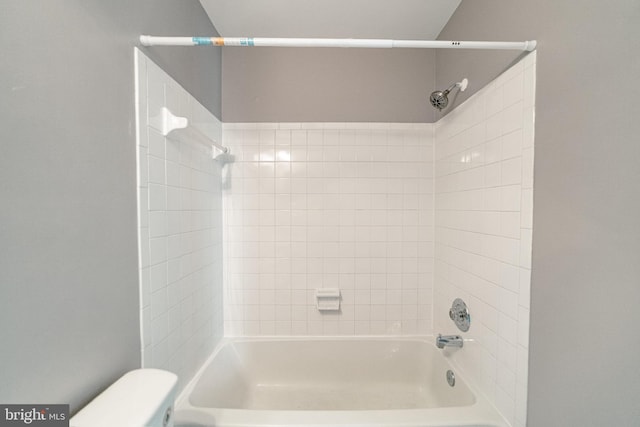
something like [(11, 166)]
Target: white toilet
[(141, 398)]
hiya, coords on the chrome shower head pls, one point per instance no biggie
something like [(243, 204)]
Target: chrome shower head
[(440, 99)]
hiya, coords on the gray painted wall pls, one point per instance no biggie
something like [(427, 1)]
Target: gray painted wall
[(68, 251), (327, 85), (585, 338)]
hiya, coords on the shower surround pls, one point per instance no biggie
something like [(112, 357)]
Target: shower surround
[(403, 218)]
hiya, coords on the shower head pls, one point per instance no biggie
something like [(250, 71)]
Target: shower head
[(440, 99)]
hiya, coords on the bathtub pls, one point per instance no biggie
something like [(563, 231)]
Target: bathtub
[(331, 382)]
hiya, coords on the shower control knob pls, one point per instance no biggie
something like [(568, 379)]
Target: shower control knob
[(460, 315)]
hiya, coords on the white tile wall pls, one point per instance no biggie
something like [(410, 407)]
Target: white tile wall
[(483, 223), (319, 205), (180, 230)]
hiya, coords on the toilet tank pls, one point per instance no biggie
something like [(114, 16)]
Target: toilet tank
[(141, 398)]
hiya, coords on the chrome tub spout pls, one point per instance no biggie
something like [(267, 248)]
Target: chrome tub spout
[(449, 341)]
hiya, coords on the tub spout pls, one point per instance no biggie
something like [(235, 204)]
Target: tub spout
[(449, 341)]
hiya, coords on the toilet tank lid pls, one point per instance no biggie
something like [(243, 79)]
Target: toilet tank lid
[(133, 400)]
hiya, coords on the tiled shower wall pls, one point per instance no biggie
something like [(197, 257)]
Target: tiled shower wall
[(484, 206), (180, 230), (346, 206)]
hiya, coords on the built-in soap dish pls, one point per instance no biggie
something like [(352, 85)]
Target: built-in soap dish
[(328, 299)]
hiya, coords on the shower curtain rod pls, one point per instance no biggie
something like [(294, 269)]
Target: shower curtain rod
[(304, 42)]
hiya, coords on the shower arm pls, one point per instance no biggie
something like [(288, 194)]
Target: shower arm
[(450, 88), (147, 40)]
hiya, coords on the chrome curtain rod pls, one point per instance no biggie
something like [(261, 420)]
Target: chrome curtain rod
[(306, 42)]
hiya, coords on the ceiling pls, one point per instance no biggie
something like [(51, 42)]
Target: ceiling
[(383, 19)]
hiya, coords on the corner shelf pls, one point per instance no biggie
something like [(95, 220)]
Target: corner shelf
[(179, 126)]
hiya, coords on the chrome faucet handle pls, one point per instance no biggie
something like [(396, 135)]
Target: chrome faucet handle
[(459, 313)]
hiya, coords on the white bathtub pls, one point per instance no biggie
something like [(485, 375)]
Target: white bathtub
[(331, 382)]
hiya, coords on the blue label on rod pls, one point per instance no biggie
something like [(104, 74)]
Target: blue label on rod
[(201, 40), (246, 42)]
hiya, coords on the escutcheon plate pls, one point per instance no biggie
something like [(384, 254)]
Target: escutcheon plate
[(460, 315)]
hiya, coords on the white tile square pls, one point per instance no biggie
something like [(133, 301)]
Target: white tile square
[(512, 144), (511, 172), (513, 90), (157, 250), (157, 197), (507, 329), (512, 117), (157, 224), (156, 144), (493, 100), (492, 174), (493, 150), (496, 125), (510, 198)]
